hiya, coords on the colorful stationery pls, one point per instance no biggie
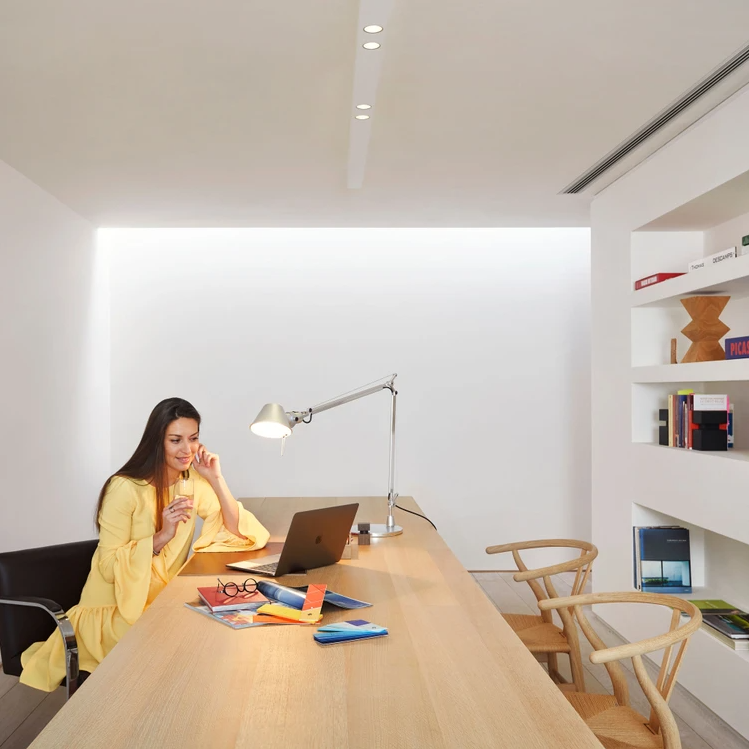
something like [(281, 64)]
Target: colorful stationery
[(356, 629)]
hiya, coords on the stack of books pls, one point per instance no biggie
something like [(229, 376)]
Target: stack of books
[(725, 622), (696, 422), (270, 604)]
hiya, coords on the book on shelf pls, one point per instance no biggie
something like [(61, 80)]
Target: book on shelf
[(718, 257), (696, 421), (737, 348), (662, 559), (731, 629), (643, 283), (714, 606)]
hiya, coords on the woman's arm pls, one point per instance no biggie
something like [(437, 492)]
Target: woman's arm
[(208, 466)]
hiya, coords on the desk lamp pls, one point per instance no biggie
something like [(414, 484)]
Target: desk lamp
[(274, 422)]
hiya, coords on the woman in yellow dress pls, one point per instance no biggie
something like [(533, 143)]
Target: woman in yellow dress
[(145, 537)]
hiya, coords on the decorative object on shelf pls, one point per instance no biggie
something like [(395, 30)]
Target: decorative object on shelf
[(718, 257), (745, 240), (706, 329), (663, 427), (654, 279), (737, 348), (710, 430), (673, 351), (709, 422)]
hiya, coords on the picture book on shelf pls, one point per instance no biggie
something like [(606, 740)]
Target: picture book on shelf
[(662, 560)]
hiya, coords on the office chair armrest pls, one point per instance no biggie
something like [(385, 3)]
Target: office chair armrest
[(66, 630)]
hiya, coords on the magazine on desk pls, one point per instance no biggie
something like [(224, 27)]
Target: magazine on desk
[(291, 597), (294, 597)]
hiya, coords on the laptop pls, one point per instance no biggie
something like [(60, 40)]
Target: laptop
[(316, 538)]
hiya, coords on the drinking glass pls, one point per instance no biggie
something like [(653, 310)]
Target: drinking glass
[(183, 489)]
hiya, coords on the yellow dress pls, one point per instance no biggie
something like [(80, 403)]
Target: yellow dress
[(125, 576)]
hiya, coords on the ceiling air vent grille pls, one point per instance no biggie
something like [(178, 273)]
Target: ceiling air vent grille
[(659, 121)]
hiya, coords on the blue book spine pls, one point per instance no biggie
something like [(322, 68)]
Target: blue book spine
[(737, 348)]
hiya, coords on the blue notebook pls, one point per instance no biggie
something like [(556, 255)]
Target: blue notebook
[(356, 629)]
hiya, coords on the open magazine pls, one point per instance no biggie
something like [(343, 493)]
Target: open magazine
[(291, 597), (294, 597)]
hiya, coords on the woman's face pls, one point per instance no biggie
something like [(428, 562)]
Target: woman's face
[(181, 442)]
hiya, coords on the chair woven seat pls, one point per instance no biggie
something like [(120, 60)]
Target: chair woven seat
[(537, 635), (615, 726)]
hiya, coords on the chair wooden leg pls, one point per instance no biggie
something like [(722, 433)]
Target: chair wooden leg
[(551, 659), (576, 666)]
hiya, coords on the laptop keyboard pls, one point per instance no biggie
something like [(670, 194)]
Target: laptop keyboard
[(266, 569)]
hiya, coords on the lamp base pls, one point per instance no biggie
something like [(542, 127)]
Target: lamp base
[(380, 530)]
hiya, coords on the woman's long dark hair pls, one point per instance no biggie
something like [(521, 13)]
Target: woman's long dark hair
[(148, 462)]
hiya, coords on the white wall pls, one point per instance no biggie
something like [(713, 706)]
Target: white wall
[(54, 380), (487, 330), (708, 155)]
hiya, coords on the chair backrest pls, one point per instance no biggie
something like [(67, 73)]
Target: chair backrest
[(673, 643), (580, 565), (56, 572)]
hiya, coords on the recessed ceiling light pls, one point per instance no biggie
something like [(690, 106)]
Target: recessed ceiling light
[(364, 106), (373, 29), (371, 45), (362, 116)]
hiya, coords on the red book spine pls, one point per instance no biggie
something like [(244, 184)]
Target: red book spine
[(655, 278)]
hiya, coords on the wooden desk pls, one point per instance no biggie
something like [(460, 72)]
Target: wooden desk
[(450, 674)]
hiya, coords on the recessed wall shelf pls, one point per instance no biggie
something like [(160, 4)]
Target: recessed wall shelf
[(730, 370), (729, 277)]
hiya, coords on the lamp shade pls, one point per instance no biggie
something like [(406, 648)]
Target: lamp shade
[(271, 422)]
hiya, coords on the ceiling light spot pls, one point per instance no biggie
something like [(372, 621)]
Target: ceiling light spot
[(364, 106), (362, 116), (371, 45), (373, 29)]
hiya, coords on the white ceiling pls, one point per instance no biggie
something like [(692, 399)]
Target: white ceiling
[(238, 112)]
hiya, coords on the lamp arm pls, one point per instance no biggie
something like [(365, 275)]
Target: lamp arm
[(295, 417), (303, 417)]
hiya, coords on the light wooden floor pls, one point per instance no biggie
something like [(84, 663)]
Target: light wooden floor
[(699, 727), (25, 711)]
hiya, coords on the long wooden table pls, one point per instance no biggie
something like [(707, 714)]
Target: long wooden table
[(450, 674)]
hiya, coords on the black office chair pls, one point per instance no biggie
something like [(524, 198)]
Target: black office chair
[(37, 587)]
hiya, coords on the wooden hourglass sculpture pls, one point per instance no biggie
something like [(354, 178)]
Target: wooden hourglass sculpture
[(705, 330)]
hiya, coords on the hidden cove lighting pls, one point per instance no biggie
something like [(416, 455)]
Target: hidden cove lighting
[(371, 45), (373, 29)]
